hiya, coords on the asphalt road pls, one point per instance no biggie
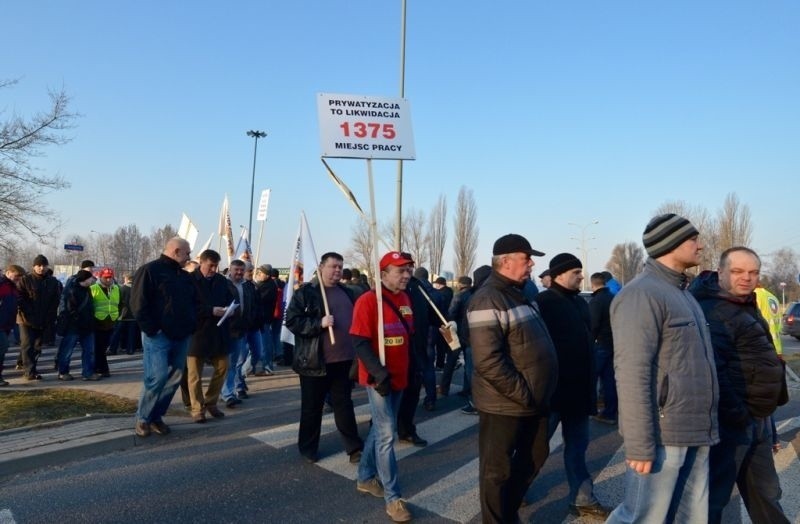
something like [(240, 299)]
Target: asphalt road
[(245, 468)]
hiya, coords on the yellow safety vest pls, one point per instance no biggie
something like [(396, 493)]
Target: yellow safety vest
[(770, 310), (105, 306)]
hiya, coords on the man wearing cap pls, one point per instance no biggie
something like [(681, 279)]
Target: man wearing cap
[(544, 277), (666, 381), (515, 375), (39, 295), (105, 295), (566, 315), (384, 382), (266, 297)]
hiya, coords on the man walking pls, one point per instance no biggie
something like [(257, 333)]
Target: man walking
[(323, 356), (163, 301), (235, 388), (8, 310), (666, 381), (515, 375), (105, 296), (750, 379), (600, 311), (38, 299)]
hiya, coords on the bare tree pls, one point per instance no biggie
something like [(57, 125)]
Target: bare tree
[(626, 261), (416, 236), (734, 224), (158, 239), (465, 226), (99, 247), (22, 186), (438, 234), (128, 248), (783, 267), (360, 252), (705, 224)]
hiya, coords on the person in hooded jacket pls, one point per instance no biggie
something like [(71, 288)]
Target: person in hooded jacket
[(751, 379), (76, 324)]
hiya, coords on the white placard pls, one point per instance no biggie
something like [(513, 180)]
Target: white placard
[(263, 205), (358, 126)]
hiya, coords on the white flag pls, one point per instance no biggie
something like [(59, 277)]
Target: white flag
[(243, 251), (187, 231), (303, 267)]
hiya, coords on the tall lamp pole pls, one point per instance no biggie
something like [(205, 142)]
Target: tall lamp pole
[(256, 135), (398, 225), (584, 251)]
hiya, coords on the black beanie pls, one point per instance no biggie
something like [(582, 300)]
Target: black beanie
[(562, 263), (82, 275), (40, 260), (665, 233)]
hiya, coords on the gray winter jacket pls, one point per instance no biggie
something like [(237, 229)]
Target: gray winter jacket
[(664, 365)]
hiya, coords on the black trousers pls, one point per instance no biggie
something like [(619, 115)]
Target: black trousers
[(312, 400), (512, 450), (410, 401), (102, 337)]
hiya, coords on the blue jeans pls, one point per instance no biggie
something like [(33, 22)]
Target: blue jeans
[(275, 327), (378, 455), (254, 348), (163, 362), (675, 490), (744, 457), (604, 364), (575, 433), (234, 380), (66, 347), (267, 349)]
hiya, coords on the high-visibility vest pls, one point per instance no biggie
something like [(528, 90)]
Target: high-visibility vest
[(105, 306), (770, 310)]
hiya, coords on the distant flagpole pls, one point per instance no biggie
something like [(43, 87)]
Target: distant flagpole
[(263, 206), (303, 266), (221, 229)]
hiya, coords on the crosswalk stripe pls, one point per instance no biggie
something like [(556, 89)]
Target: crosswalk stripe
[(286, 435)]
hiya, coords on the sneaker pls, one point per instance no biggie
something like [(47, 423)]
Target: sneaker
[(159, 428), (232, 402), (214, 411), (398, 511), (592, 510), (4, 382), (243, 394), (372, 486), (93, 377), (64, 376), (355, 457), (415, 439), (469, 409), (268, 371), (20, 367), (142, 428), (35, 376)]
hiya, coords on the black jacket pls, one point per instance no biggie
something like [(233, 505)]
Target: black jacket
[(38, 300), (600, 311), (164, 298), (78, 309), (266, 297), (209, 340), (304, 319), (749, 372), (566, 315), (424, 318), (245, 317)]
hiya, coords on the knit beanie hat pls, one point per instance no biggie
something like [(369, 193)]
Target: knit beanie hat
[(82, 275), (40, 260), (562, 263), (665, 233)]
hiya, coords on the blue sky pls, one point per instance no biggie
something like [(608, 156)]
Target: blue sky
[(551, 112)]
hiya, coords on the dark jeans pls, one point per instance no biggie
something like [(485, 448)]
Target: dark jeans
[(604, 365), (101, 340), (428, 367), (512, 451), (451, 359), (312, 400), (575, 433), (30, 347), (410, 400), (744, 457)]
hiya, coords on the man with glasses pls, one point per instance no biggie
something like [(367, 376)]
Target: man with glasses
[(514, 379)]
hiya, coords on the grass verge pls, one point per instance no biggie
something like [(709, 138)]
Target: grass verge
[(26, 408)]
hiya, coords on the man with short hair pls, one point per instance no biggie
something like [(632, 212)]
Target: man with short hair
[(323, 356), (266, 297), (384, 381), (76, 323), (105, 296), (751, 377), (516, 368), (458, 313), (39, 295), (164, 302), (235, 387), (666, 381), (544, 277), (125, 332), (8, 310), (567, 317), (445, 293), (600, 310), (254, 347), (210, 341)]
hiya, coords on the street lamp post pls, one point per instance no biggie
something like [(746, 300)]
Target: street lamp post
[(783, 295), (584, 251), (256, 135)]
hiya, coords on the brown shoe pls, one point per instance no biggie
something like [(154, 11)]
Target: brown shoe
[(214, 411), (142, 428), (398, 511), (199, 418), (159, 428)]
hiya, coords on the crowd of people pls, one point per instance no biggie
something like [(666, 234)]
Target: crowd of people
[(687, 367)]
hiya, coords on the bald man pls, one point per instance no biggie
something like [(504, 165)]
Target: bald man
[(163, 302)]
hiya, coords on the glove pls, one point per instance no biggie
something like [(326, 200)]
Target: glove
[(383, 388)]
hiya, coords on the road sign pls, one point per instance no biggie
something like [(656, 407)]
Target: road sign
[(73, 247)]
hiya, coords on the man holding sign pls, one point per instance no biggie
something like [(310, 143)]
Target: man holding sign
[(383, 369), (319, 315)]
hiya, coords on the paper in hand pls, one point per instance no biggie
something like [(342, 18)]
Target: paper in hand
[(228, 312)]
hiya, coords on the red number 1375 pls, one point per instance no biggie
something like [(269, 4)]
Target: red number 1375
[(369, 130)]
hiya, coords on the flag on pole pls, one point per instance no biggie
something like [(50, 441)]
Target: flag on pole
[(344, 189), (207, 245), (188, 231), (243, 251), (303, 267), (225, 230), (221, 230)]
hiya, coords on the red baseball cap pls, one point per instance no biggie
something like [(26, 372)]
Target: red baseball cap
[(106, 272), (395, 258)]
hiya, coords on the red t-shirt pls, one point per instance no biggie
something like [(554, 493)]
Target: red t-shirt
[(397, 341)]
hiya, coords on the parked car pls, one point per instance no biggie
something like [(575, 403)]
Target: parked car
[(791, 320)]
